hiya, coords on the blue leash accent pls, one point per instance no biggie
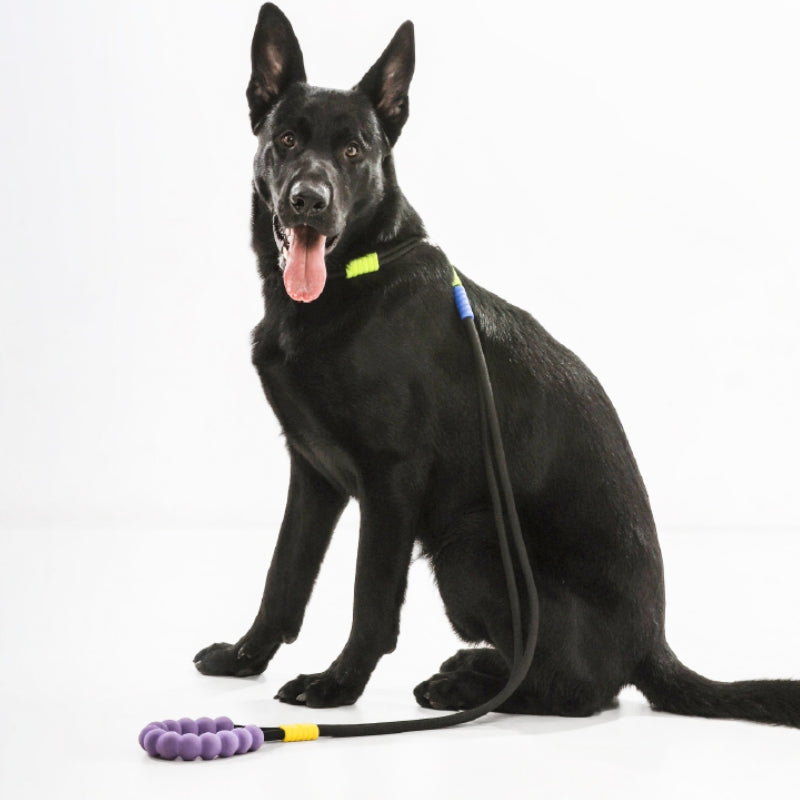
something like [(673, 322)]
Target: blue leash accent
[(462, 301)]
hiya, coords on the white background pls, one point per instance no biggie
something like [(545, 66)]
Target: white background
[(628, 172)]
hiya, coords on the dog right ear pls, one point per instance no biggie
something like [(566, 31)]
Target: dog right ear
[(277, 62)]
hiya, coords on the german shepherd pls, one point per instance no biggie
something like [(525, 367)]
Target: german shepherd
[(372, 381)]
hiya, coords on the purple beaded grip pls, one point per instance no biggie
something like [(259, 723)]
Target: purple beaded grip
[(203, 737)]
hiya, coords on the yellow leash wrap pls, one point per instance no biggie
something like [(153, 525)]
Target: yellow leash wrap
[(300, 732)]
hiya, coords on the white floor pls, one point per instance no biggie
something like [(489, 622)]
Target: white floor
[(99, 629)]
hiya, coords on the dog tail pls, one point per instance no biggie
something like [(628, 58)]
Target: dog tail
[(670, 686)]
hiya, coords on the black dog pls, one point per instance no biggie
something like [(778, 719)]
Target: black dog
[(372, 381)]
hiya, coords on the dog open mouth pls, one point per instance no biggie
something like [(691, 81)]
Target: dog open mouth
[(303, 250)]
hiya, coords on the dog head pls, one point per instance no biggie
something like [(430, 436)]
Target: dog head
[(324, 156)]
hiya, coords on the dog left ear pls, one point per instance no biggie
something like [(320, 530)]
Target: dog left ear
[(387, 81)]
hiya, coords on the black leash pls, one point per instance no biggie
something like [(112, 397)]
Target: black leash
[(504, 509)]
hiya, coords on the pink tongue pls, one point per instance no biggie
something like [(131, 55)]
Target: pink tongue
[(304, 274)]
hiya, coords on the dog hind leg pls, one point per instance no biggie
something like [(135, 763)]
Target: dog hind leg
[(465, 680), (572, 672), (472, 677)]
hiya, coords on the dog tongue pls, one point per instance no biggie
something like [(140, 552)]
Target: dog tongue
[(304, 274)]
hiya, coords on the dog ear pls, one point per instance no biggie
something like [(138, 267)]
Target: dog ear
[(387, 81), (277, 62)]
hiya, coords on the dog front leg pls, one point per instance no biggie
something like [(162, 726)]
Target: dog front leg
[(312, 509), (384, 554)]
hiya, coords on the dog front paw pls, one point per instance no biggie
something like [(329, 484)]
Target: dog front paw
[(321, 690), (236, 660)]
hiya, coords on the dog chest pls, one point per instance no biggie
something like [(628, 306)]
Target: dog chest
[(345, 408)]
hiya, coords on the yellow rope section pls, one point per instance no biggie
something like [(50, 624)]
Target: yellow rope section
[(299, 733)]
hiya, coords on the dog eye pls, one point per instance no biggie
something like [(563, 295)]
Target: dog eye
[(352, 150), (288, 139)]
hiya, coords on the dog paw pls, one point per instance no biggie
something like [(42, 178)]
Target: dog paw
[(235, 660), (321, 690), (455, 691)]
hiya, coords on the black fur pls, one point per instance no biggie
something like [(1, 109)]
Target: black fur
[(374, 388)]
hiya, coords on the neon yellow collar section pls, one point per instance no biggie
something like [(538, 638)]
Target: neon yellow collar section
[(371, 263), (362, 266)]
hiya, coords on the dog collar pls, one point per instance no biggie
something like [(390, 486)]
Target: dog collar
[(372, 262)]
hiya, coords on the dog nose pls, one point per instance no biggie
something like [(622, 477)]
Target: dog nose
[(310, 198)]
